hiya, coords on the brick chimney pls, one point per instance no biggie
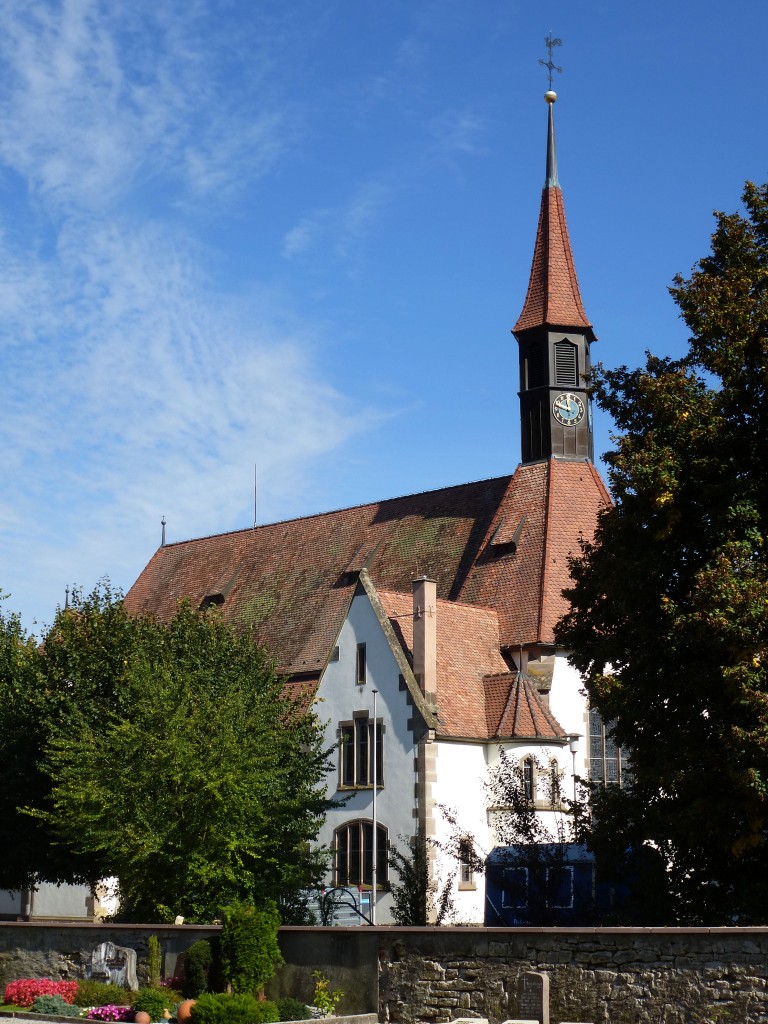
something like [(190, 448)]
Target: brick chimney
[(425, 634)]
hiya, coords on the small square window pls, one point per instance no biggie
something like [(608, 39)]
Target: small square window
[(466, 865)]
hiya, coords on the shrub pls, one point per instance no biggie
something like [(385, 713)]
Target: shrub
[(267, 1012), (289, 1008), (238, 1008), (207, 1009), (153, 1001), (324, 999), (155, 961), (55, 1005), (249, 949), (100, 993), (24, 991), (196, 969)]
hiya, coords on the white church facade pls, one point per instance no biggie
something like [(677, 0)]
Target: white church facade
[(423, 626)]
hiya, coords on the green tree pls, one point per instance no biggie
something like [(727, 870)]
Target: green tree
[(79, 665), (669, 604), (179, 761), (24, 713), (418, 898)]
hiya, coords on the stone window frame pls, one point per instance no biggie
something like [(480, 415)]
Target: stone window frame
[(356, 752), (354, 842)]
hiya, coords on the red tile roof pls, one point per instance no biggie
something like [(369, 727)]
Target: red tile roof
[(477, 697), (514, 710), (553, 296), (467, 650), (560, 501), (292, 581)]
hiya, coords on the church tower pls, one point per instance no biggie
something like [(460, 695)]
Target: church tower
[(554, 336)]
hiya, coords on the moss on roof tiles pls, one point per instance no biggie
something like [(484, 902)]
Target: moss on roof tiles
[(292, 580)]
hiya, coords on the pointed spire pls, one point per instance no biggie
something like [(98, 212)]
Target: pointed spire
[(553, 297), (551, 179)]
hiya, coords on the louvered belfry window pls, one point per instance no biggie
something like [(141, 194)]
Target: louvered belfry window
[(566, 365)]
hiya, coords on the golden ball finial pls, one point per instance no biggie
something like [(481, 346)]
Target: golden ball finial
[(550, 96)]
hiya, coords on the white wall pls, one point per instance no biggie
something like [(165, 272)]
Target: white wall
[(340, 697), (568, 703), (49, 901), (462, 771)]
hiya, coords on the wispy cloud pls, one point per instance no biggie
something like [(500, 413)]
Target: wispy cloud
[(131, 386), (340, 231), (460, 131), (98, 96)]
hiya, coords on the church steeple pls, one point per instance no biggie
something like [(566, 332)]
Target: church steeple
[(554, 335)]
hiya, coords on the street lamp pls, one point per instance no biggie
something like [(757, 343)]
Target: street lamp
[(573, 746), (374, 843)]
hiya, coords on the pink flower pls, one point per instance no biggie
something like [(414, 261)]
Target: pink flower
[(24, 991)]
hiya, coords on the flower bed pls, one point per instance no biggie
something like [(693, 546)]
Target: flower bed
[(26, 990), (111, 1012)]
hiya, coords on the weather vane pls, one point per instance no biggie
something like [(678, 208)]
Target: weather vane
[(550, 44)]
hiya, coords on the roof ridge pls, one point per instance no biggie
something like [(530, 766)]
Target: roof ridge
[(545, 549), (335, 511), (446, 602)]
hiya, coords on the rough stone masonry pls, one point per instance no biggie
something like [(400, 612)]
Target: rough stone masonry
[(621, 976)]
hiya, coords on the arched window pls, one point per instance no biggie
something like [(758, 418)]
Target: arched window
[(529, 776), (353, 853)]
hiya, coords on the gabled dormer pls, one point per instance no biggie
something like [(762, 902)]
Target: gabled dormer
[(554, 336)]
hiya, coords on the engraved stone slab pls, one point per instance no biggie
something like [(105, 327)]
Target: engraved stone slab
[(534, 996), (114, 963)]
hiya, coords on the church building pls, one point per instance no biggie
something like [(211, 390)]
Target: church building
[(423, 625)]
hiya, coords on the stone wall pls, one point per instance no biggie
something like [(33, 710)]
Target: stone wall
[(63, 951), (616, 975), (621, 976), (348, 957)]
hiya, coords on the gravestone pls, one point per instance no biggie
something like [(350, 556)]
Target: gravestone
[(114, 963), (534, 997)]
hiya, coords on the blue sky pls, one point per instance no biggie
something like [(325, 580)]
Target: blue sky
[(296, 234)]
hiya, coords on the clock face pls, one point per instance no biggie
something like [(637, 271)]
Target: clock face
[(568, 409)]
